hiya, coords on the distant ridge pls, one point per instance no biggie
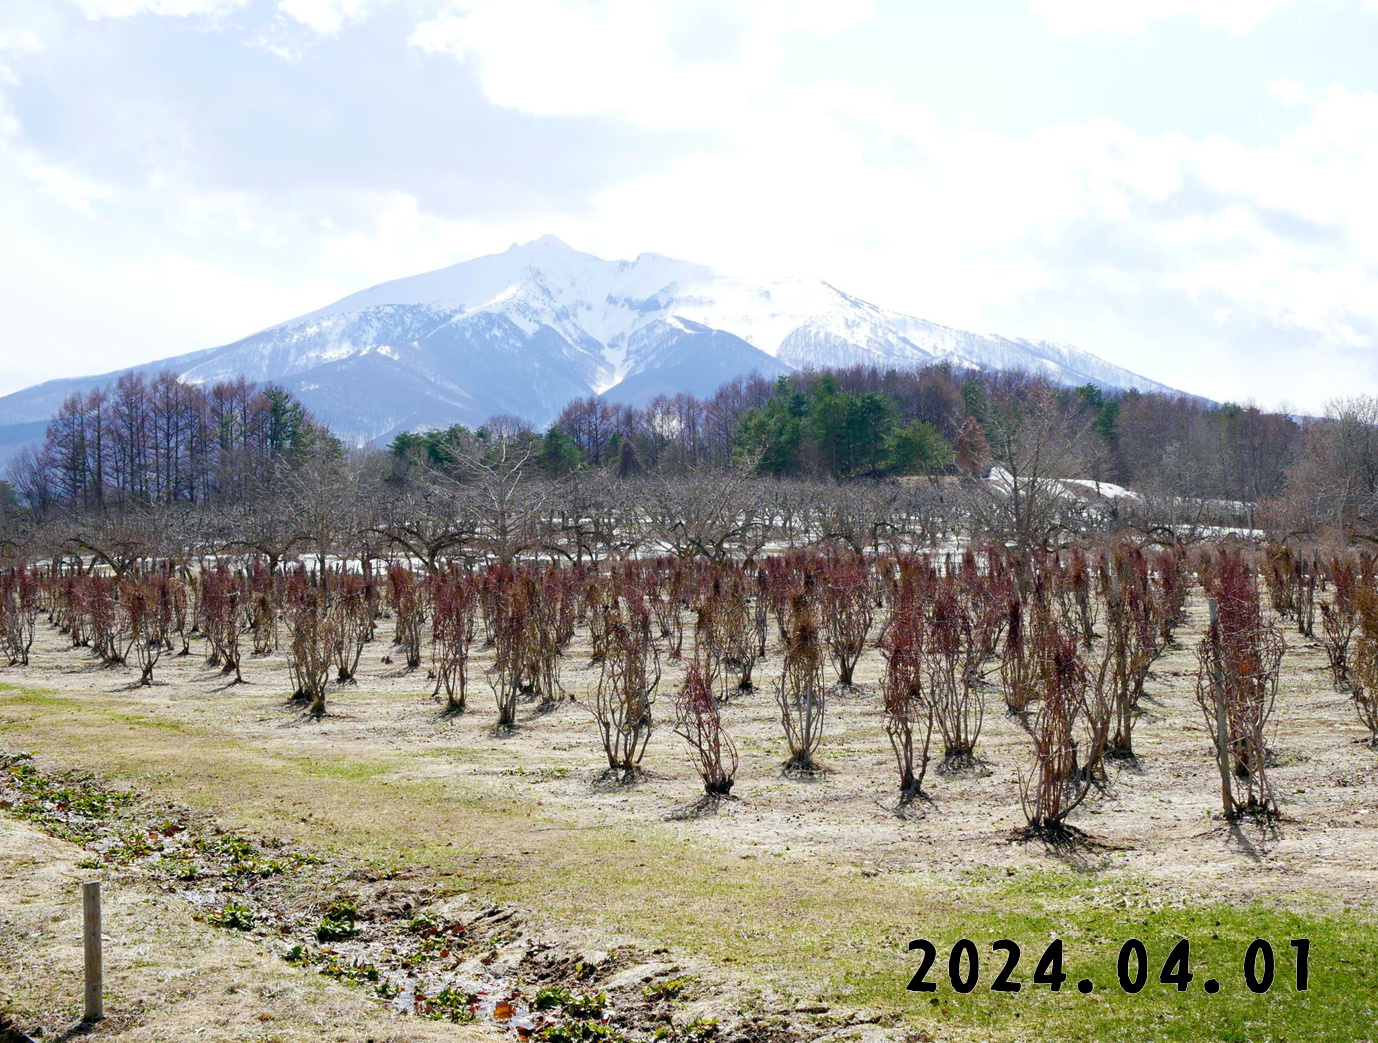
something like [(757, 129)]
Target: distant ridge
[(524, 331)]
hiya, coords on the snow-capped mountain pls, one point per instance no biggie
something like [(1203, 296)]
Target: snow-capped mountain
[(524, 331)]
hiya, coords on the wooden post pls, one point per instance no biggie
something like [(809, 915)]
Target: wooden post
[(90, 908), (1222, 722)]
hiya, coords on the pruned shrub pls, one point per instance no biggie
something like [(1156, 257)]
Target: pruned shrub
[(409, 611), (1363, 670), (1172, 584), (1060, 731), (953, 652), (1340, 618), (1306, 598), (70, 601), (726, 629), (848, 609), (1131, 636), (180, 611), (453, 602), (1280, 574), (561, 590), (106, 624), (146, 611), (350, 622), (264, 596), (541, 645), (1237, 676), (698, 720), (908, 712), (626, 686), (505, 619), (1087, 607), (311, 650), (666, 595), (1019, 678), (802, 691), (19, 606), (222, 598)]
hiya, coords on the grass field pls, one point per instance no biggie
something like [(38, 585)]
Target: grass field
[(797, 897)]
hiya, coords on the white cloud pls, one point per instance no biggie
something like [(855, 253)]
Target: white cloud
[(17, 39), (656, 63), (60, 183), (170, 8), (1073, 231), (963, 226), (326, 17), (984, 230), (154, 274), (23, 34), (1077, 17)]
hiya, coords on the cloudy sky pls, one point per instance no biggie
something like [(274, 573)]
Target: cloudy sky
[(1185, 187)]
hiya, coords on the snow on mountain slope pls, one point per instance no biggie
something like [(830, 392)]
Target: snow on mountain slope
[(526, 330), (679, 355)]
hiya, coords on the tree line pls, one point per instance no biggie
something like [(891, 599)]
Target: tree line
[(868, 421), (989, 449), (165, 441)]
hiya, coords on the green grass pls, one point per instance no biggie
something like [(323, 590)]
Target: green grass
[(809, 930), (1338, 1004), (34, 696), (338, 768), (145, 721)]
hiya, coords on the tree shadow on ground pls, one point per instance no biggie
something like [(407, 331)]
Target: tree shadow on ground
[(1078, 850), (705, 806)]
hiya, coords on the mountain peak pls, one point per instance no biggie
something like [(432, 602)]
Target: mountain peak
[(527, 330), (547, 242)]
